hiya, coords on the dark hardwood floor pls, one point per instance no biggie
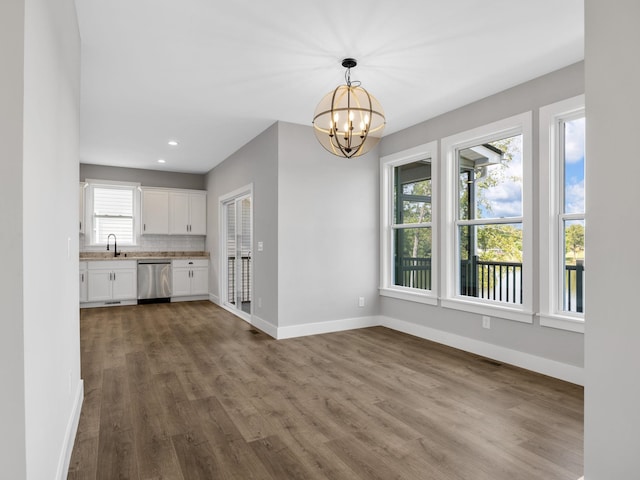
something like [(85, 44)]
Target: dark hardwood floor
[(188, 391)]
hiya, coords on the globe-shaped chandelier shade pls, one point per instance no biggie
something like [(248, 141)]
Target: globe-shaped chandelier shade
[(348, 121)]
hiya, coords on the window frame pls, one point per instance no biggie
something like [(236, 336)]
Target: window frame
[(552, 214), (89, 209), (520, 124), (388, 163)]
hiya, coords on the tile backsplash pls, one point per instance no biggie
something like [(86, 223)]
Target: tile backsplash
[(154, 243)]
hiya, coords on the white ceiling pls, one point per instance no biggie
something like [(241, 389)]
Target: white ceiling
[(214, 74)]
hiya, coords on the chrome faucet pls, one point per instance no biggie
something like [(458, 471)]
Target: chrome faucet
[(115, 244)]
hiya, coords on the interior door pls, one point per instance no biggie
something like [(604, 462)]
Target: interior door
[(237, 237)]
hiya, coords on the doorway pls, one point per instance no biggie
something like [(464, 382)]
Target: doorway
[(236, 259)]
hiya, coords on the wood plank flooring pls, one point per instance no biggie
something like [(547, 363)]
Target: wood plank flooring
[(188, 391)]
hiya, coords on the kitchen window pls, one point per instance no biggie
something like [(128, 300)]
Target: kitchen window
[(112, 208)]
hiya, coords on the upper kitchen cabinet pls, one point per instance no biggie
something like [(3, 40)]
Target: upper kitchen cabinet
[(155, 211), (188, 213)]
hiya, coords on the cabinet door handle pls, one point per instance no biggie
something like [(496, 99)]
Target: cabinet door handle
[(144, 227), (114, 276)]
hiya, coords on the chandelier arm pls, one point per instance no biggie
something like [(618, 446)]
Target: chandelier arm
[(335, 126)]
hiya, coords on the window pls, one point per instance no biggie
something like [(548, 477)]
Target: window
[(408, 240), (112, 210), (562, 217), (487, 239)]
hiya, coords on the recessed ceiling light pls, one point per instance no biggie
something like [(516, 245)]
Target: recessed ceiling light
[(161, 161), (173, 143)]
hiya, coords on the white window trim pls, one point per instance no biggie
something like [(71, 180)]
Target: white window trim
[(387, 164), (550, 194), (88, 211), (516, 125)]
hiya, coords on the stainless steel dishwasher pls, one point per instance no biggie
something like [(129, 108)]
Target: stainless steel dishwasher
[(154, 281)]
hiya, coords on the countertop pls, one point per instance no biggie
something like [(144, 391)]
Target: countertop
[(124, 255)]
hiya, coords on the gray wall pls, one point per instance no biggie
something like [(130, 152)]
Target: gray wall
[(147, 178), (328, 226), (612, 356), (558, 345), (39, 331), (257, 163)]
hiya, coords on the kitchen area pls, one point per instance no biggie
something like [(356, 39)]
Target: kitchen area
[(139, 242)]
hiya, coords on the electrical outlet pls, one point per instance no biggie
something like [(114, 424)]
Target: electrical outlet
[(361, 301), (486, 322), (260, 246)]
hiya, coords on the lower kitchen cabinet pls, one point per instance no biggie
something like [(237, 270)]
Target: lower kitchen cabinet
[(110, 281), (190, 277)]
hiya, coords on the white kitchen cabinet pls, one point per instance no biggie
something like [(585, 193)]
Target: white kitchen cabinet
[(81, 218), (198, 214), (200, 281), (112, 280), (83, 280), (190, 277), (155, 211), (187, 212)]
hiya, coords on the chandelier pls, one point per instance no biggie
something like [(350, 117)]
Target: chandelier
[(348, 121)]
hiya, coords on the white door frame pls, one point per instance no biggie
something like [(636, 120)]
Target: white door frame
[(246, 191)]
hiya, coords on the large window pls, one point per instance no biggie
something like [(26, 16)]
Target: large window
[(487, 239), (408, 265), (111, 210), (489, 220), (562, 217)]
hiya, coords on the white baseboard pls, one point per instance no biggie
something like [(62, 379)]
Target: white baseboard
[(214, 299), (267, 327), (70, 434), (189, 298), (330, 326), (552, 368), (116, 303)]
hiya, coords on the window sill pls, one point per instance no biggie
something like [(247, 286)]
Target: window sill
[(561, 322), (409, 296), (498, 311)]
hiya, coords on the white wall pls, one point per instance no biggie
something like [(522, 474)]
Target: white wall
[(256, 163), (41, 246), (612, 353), (548, 350), (12, 409), (327, 231)]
